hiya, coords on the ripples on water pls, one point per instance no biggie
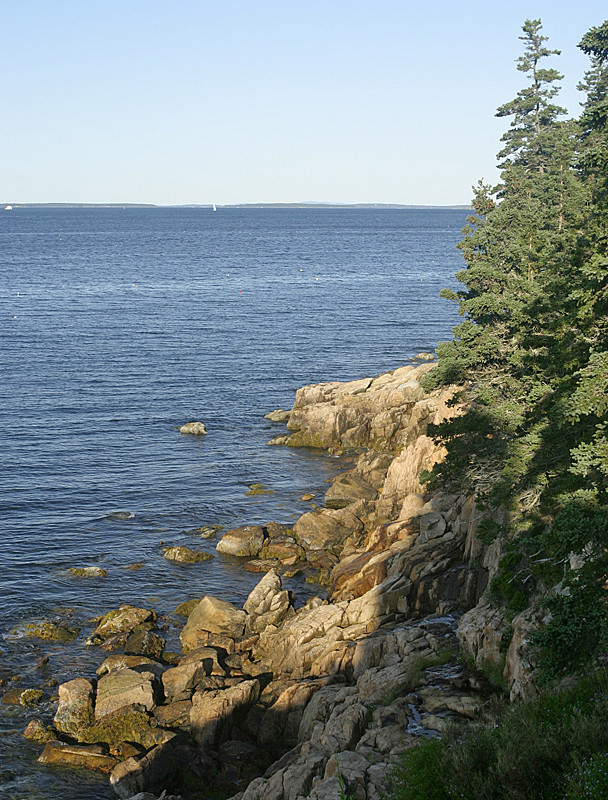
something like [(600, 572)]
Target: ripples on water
[(119, 325)]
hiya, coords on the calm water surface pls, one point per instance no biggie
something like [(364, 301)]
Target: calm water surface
[(119, 325)]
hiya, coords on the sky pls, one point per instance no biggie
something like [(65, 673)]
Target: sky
[(245, 101)]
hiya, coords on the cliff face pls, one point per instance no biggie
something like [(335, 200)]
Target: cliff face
[(390, 534), (337, 689)]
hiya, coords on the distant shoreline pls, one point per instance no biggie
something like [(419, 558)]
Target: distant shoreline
[(209, 206)]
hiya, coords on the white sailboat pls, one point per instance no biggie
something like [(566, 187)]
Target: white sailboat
[(214, 208)]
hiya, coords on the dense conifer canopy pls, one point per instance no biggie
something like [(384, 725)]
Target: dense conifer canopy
[(532, 354)]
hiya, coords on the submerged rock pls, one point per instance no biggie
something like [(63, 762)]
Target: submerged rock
[(119, 516), (23, 697), (88, 572), (258, 488), (51, 631)]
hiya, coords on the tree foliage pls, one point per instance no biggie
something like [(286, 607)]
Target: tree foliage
[(532, 350)]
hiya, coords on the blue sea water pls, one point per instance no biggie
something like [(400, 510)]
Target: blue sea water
[(119, 325)]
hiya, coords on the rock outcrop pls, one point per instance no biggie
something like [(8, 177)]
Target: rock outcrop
[(194, 429)]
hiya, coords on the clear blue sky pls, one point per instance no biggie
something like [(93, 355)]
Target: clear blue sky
[(226, 101)]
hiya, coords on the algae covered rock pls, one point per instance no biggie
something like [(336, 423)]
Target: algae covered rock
[(184, 555), (38, 732), (23, 697), (187, 607), (261, 564), (122, 620), (280, 415), (258, 488), (121, 726), (51, 631), (145, 643), (88, 572)]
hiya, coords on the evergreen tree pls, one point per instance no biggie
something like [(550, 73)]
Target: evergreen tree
[(514, 248)]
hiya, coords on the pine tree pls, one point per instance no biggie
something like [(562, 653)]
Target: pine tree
[(531, 110)]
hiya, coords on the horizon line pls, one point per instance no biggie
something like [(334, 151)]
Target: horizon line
[(295, 204)]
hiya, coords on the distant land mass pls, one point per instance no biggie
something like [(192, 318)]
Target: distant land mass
[(379, 206)]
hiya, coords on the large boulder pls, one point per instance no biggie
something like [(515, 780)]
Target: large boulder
[(212, 616), (125, 725), (124, 688), (267, 604), (173, 762), (75, 709), (326, 530), (194, 429), (481, 631), (243, 542), (183, 677), (348, 488), (77, 755), (214, 713), (260, 597)]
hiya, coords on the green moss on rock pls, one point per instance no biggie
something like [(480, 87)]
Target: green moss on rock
[(88, 572), (51, 631), (31, 697), (187, 607), (184, 555), (259, 488), (38, 732), (131, 727), (122, 620)]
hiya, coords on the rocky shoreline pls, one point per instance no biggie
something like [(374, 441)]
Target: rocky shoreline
[(275, 702)]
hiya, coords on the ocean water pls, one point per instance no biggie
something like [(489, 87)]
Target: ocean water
[(119, 325)]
